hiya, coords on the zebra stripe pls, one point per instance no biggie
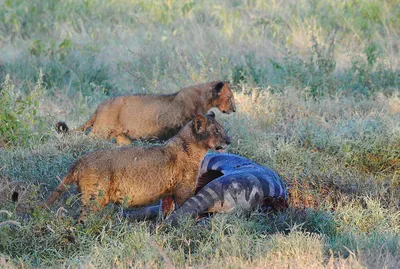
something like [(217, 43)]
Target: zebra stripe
[(207, 198), (218, 166), (211, 163), (197, 201), (204, 163), (213, 194)]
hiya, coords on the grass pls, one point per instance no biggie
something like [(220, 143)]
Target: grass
[(317, 86)]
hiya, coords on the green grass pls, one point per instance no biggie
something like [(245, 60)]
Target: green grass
[(317, 88)]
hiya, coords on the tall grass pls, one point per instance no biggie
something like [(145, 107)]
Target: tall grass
[(317, 86)]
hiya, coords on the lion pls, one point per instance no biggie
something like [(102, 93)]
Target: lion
[(128, 118), (141, 175)]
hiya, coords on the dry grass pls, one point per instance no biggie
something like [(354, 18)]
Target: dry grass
[(317, 85)]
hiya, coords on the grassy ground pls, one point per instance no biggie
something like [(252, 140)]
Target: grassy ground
[(317, 86)]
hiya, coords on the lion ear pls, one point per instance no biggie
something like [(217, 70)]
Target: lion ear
[(217, 88), (199, 124), (211, 114), (221, 88)]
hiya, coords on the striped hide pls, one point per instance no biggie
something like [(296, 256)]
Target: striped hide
[(241, 183)]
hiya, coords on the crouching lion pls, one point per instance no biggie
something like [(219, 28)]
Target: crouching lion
[(139, 176)]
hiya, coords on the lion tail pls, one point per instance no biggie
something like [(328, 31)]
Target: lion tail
[(70, 178), (63, 128)]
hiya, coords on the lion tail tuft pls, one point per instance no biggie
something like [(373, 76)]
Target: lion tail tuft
[(62, 127)]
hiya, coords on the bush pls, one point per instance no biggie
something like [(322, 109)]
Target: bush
[(19, 121)]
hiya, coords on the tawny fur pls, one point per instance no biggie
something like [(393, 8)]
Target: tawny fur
[(126, 118), (139, 176)]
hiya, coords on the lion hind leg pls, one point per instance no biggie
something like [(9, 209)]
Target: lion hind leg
[(92, 201), (91, 206)]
